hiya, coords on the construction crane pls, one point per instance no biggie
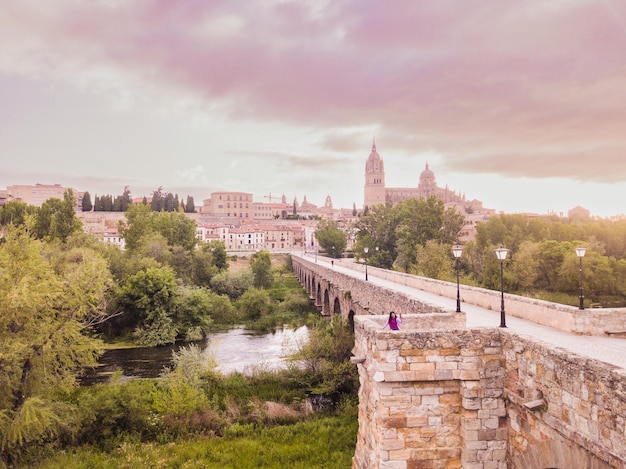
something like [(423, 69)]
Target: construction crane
[(270, 197)]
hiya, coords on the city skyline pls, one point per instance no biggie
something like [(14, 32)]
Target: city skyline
[(520, 106)]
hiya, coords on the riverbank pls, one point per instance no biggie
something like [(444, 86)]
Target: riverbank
[(324, 442)]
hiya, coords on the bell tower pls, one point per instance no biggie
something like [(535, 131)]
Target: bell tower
[(374, 193)]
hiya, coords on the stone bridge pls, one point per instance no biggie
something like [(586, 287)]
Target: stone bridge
[(440, 395)]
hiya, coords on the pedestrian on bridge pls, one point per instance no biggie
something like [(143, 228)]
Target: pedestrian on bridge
[(393, 322)]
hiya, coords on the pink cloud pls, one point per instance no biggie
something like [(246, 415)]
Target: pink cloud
[(529, 88)]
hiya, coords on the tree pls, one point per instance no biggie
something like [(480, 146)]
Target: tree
[(56, 219), (255, 303), (261, 266), (48, 304), (433, 261), (15, 213), (220, 256), (136, 226), (176, 227), (192, 314), (377, 229), (149, 298), (190, 206), (86, 202), (156, 205), (331, 238), (232, 284)]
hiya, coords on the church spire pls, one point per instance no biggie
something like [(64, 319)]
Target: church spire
[(373, 144)]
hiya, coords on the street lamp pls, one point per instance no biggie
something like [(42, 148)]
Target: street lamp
[(457, 251), (580, 252), (366, 249), (501, 255)]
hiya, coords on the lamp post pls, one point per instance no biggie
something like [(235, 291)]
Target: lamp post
[(366, 249), (501, 255), (580, 252), (457, 251)]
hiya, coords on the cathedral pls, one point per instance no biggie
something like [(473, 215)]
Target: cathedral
[(376, 193)]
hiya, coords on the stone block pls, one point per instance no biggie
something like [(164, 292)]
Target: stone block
[(471, 424), (466, 374), (471, 403), (392, 445), (430, 400), (444, 374), (394, 422), (417, 421)]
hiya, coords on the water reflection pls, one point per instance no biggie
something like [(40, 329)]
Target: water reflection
[(236, 350)]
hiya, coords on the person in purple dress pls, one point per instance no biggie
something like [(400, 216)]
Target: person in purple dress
[(393, 322)]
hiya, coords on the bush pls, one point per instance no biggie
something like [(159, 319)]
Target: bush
[(232, 284), (255, 303)]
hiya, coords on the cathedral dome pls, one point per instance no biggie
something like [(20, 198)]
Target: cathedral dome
[(427, 173)]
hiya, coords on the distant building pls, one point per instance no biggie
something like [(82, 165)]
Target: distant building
[(234, 205), (376, 193), (578, 212), (37, 194)]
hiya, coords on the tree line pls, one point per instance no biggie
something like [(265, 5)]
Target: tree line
[(160, 201), (416, 236)]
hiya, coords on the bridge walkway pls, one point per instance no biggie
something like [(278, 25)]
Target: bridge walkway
[(611, 350)]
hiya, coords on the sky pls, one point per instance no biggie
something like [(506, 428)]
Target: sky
[(521, 105)]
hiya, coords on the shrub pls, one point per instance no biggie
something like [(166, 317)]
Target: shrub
[(255, 303)]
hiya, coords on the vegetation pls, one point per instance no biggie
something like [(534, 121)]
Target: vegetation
[(416, 236), (331, 238), (60, 290)]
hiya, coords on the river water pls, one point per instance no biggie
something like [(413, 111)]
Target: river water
[(235, 350)]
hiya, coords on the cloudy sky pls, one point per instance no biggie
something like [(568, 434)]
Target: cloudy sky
[(519, 104)]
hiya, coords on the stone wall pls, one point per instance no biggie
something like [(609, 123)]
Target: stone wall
[(429, 399), (564, 410), (483, 399)]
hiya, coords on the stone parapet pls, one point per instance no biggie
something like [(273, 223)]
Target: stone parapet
[(482, 399), (429, 399)]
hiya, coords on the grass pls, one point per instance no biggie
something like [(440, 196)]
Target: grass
[(322, 443)]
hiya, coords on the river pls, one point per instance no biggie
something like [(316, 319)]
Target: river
[(235, 350)]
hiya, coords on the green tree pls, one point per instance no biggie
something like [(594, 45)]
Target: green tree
[(232, 284), (377, 229), (176, 227), (192, 314), (48, 305), (220, 256), (261, 266), (331, 238), (190, 206), (157, 202), (86, 202), (137, 225), (255, 303), (422, 220), (149, 298), (56, 219), (15, 213), (433, 261)]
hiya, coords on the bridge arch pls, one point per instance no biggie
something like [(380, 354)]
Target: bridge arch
[(326, 305), (336, 307)]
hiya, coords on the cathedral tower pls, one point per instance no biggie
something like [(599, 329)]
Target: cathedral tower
[(374, 179)]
